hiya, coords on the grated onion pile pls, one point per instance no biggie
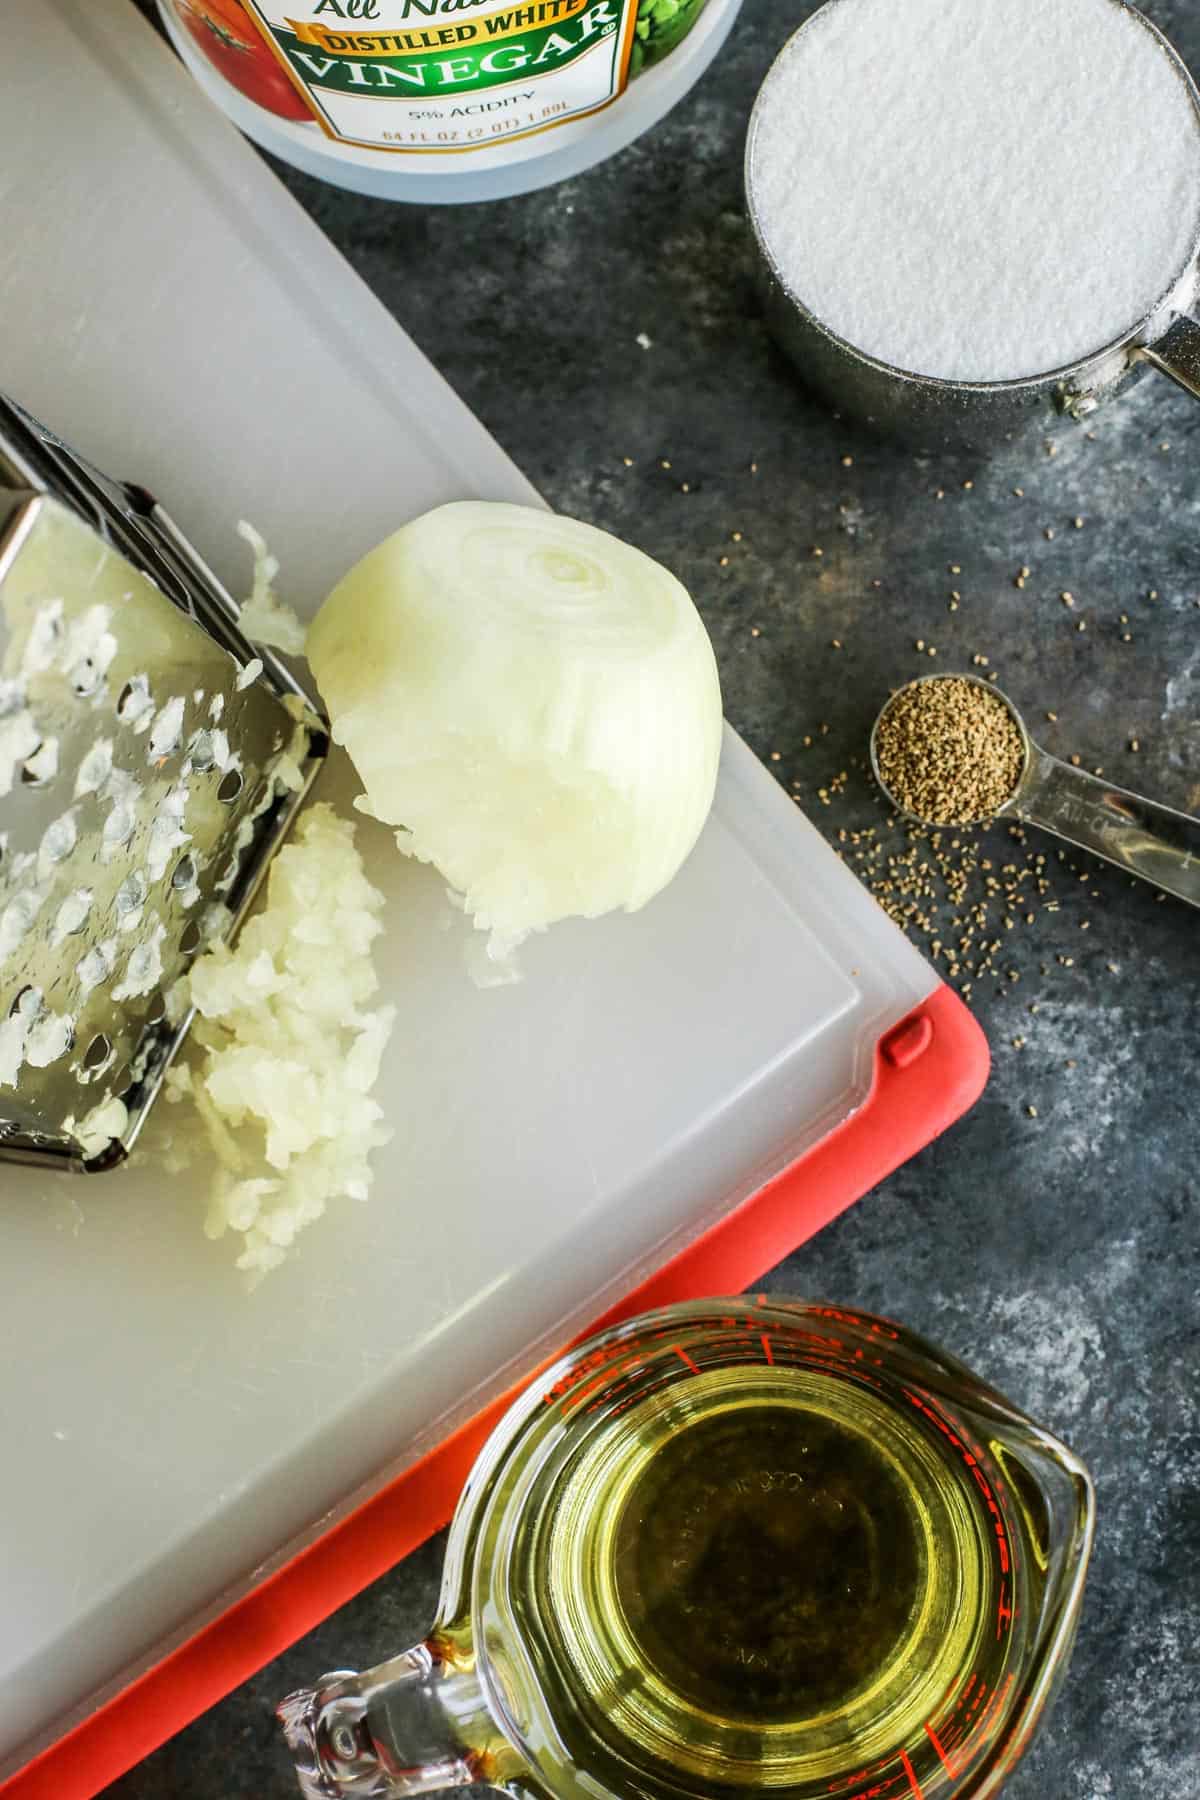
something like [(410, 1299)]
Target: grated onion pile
[(284, 1052), (264, 617)]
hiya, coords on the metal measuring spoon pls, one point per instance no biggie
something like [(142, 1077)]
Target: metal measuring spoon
[(1141, 836)]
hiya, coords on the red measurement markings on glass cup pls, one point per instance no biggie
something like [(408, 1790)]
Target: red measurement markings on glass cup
[(875, 1782), (825, 1348), (746, 1344), (873, 1327), (950, 1736), (972, 1713), (579, 1371), (942, 1754), (984, 1729), (830, 1350), (989, 1493), (604, 1393), (602, 1373), (575, 1393), (969, 1726), (914, 1785), (884, 1775)]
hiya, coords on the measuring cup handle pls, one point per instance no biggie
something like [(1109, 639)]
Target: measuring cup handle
[(1146, 839), (401, 1729), (1177, 354)]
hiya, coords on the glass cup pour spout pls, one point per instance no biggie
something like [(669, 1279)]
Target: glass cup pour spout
[(732, 1546)]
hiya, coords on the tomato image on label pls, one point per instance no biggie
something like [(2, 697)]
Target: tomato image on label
[(235, 47)]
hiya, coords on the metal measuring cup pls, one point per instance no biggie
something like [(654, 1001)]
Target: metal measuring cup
[(978, 414), (1140, 836)]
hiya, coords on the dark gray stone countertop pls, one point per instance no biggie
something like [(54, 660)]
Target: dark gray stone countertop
[(1058, 1254)]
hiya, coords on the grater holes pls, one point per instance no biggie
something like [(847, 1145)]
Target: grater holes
[(72, 916), (231, 786), (131, 895), (18, 1006), (166, 730), (229, 873), (58, 840), (98, 1053), (86, 677), (184, 873), (135, 703), (118, 828), (201, 751), (189, 943), (157, 1011)]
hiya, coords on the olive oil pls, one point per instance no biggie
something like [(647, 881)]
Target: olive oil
[(733, 1548), (778, 1590), (764, 1579)]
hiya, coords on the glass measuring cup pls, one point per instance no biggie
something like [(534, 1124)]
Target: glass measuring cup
[(1143, 837), (976, 413), (730, 1547)]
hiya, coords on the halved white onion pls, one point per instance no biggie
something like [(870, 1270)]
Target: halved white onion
[(534, 703)]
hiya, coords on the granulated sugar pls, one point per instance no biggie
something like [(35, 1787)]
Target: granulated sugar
[(977, 189)]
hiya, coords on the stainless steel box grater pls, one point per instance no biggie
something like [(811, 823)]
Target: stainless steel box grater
[(151, 762)]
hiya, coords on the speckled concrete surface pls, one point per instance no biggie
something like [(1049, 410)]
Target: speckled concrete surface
[(1060, 1254)]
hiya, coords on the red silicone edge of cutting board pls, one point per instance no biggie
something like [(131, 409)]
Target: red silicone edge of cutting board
[(929, 1070)]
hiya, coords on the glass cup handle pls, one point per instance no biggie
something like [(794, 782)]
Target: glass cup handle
[(1176, 353), (400, 1729)]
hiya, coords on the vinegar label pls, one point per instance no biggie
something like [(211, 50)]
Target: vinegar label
[(449, 77)]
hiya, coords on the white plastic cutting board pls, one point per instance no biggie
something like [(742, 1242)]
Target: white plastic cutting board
[(165, 306)]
